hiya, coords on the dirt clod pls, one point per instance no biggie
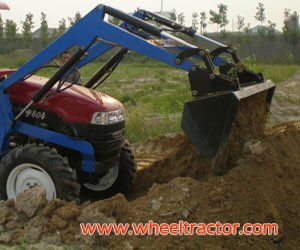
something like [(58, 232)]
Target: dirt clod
[(31, 200), (253, 147), (58, 222), (68, 212), (49, 208), (155, 204), (8, 236)]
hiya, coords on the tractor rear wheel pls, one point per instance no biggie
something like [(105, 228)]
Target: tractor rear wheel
[(119, 179), (31, 165)]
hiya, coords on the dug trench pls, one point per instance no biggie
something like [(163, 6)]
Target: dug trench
[(174, 183)]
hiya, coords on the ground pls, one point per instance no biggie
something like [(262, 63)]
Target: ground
[(175, 183), (286, 103)]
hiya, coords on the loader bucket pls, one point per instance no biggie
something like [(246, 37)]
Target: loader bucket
[(218, 125)]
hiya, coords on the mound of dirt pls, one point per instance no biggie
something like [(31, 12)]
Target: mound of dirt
[(177, 157), (249, 124), (168, 156), (262, 186)]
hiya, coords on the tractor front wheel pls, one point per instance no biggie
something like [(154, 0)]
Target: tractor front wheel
[(32, 165), (119, 179)]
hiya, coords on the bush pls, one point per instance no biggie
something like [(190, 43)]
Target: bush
[(290, 59), (250, 62)]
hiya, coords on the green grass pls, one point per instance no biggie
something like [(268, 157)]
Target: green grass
[(154, 93), (277, 72), (16, 59)]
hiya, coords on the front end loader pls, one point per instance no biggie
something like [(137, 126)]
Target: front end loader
[(63, 137), (230, 102)]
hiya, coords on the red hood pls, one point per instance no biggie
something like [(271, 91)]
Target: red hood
[(3, 6), (76, 104)]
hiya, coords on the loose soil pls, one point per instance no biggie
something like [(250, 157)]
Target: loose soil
[(261, 186)]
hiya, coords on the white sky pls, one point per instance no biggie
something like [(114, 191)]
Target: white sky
[(57, 9)]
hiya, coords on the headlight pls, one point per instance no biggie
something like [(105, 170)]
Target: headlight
[(105, 118)]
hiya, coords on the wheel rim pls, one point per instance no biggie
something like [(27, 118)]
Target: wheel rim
[(27, 176), (106, 181)]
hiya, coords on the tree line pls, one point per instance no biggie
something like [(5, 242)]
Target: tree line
[(291, 29), (9, 29), (219, 17)]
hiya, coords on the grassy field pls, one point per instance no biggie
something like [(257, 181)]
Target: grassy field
[(277, 72), (154, 94)]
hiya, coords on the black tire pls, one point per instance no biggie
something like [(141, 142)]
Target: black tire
[(124, 181), (63, 177)]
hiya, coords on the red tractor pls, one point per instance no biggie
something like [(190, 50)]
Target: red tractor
[(77, 112)]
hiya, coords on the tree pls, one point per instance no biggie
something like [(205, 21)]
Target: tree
[(260, 14), (62, 26), (215, 18), (286, 13), (220, 18), (291, 28), (195, 21), (27, 27), (55, 34), (240, 23), (11, 33), (203, 23), (44, 30), (247, 29), (173, 15), (75, 19), (181, 18), (1, 27), (271, 31), (261, 17), (223, 9)]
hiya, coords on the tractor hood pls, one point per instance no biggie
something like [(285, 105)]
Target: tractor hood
[(75, 104), (3, 6)]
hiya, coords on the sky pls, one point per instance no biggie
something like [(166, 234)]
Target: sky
[(58, 9)]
